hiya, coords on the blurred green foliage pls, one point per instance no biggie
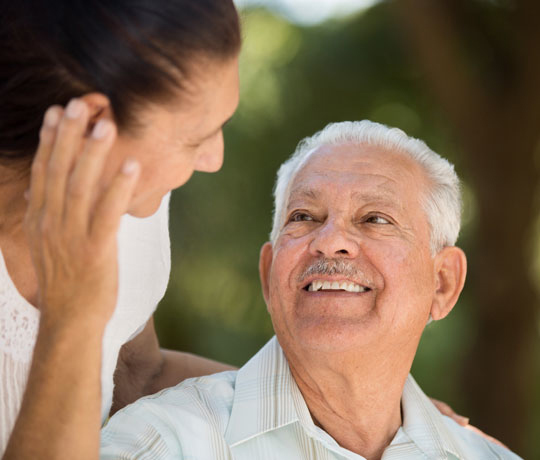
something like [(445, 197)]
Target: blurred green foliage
[(295, 80)]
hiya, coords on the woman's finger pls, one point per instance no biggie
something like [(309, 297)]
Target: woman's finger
[(486, 436), (84, 181), (69, 140), (445, 409), (115, 202), (47, 138)]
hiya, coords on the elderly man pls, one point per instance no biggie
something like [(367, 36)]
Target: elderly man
[(361, 257)]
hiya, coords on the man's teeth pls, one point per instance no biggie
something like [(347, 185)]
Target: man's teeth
[(335, 286)]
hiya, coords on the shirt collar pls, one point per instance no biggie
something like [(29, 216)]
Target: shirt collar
[(267, 398), (425, 425)]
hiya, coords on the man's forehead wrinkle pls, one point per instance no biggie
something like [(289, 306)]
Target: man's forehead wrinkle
[(318, 183), (364, 178)]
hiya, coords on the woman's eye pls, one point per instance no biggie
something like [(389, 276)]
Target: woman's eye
[(377, 220), (300, 217)]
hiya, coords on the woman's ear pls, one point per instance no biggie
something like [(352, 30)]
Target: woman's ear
[(99, 107), (265, 265), (450, 272)]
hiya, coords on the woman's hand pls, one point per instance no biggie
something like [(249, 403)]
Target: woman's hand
[(445, 409), (72, 220)]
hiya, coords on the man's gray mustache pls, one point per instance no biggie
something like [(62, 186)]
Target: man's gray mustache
[(330, 267)]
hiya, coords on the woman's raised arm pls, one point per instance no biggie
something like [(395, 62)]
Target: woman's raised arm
[(71, 224)]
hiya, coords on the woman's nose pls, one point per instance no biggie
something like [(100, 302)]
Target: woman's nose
[(211, 159)]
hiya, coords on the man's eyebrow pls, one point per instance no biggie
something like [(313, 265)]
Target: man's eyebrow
[(382, 195), (385, 198), (303, 193)]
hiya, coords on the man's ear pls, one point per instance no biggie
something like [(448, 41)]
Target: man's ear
[(265, 264), (99, 108), (450, 272)]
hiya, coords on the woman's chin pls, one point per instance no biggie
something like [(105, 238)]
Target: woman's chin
[(144, 208)]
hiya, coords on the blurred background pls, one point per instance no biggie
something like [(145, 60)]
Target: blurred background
[(464, 75)]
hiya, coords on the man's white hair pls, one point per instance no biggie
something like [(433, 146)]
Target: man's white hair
[(442, 203)]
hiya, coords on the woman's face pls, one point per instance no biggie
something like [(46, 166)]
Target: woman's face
[(175, 140)]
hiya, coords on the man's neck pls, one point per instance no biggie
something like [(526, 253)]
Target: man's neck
[(356, 398)]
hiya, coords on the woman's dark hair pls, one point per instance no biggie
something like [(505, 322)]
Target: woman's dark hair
[(133, 51)]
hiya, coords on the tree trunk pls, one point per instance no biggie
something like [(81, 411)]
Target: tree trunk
[(498, 130)]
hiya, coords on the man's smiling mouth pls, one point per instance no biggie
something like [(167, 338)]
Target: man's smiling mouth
[(325, 285)]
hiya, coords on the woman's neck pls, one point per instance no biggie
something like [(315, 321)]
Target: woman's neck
[(13, 242), (13, 184)]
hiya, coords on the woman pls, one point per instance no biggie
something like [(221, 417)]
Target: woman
[(148, 85)]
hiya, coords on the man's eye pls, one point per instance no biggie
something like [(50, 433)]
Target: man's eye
[(377, 220), (300, 217)]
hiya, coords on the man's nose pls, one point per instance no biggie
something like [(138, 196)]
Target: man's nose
[(333, 239)]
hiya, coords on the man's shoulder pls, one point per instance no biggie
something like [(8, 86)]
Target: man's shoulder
[(209, 397), (221, 381), (177, 422), (474, 445)]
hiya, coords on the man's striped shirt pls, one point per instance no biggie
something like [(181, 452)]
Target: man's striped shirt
[(258, 412)]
